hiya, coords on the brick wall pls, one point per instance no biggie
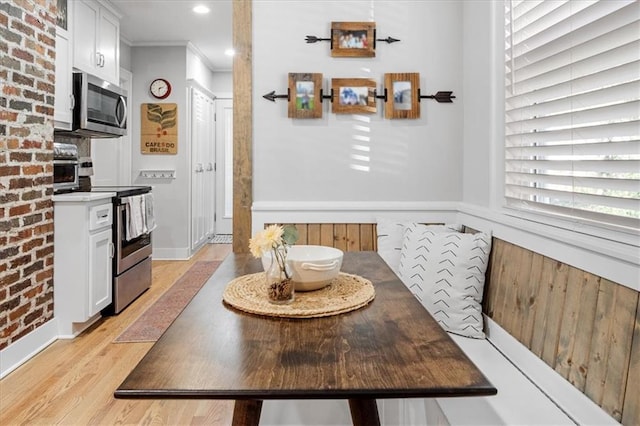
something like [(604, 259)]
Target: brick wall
[(27, 68)]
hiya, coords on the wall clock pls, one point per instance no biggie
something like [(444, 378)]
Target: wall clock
[(160, 88)]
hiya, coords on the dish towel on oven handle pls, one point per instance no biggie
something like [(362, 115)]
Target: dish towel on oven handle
[(149, 216), (140, 215), (135, 211)]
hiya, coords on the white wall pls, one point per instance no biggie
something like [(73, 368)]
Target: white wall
[(313, 160), (215, 82), (197, 70), (222, 82), (125, 55), (171, 196), (478, 103)]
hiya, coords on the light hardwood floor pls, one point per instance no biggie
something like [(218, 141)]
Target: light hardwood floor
[(71, 382)]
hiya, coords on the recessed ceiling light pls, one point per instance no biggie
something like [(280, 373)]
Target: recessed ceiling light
[(229, 52), (201, 9)]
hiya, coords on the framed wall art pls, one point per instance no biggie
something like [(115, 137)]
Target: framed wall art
[(353, 95), (305, 99), (353, 39), (159, 128), (403, 99)]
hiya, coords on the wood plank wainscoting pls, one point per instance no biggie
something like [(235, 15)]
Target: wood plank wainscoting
[(585, 327), (345, 236)]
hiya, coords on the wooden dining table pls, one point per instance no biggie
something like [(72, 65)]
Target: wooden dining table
[(390, 348)]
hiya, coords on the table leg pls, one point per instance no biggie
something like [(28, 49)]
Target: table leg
[(364, 412), (247, 412)]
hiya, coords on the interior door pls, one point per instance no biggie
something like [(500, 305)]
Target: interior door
[(202, 168), (224, 166), (198, 231)]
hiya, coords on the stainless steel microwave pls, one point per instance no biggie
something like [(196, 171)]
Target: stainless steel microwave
[(100, 108)]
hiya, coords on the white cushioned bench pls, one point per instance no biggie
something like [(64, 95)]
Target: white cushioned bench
[(529, 391)]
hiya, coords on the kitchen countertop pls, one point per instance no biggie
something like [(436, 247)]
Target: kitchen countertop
[(70, 197)]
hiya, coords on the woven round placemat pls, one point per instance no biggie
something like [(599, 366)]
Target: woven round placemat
[(345, 293)]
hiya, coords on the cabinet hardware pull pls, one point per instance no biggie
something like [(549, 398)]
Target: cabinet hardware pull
[(100, 60)]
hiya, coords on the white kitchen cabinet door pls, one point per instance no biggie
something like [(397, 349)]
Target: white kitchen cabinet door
[(63, 102), (109, 46), (96, 47), (100, 265), (85, 45)]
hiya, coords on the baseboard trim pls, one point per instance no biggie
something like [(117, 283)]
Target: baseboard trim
[(16, 354), (170, 254)]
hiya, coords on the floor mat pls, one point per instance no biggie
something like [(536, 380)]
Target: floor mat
[(222, 239), (159, 316)]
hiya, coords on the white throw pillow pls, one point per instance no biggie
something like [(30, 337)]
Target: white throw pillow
[(391, 233), (446, 273)]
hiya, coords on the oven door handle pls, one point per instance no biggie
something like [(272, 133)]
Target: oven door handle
[(121, 222)]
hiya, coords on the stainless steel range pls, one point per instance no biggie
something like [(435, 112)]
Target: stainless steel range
[(132, 256)]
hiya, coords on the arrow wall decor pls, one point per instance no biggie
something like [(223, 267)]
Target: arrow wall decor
[(441, 97), (352, 39), (271, 96), (313, 39), (401, 95)]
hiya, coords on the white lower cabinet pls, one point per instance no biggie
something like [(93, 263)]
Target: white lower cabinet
[(83, 253), (100, 285)]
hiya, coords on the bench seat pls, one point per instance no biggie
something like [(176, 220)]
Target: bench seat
[(531, 393), (518, 400)]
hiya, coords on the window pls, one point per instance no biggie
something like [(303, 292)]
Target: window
[(572, 110)]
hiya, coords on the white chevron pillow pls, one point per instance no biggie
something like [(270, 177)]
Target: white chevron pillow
[(446, 273), (391, 233)]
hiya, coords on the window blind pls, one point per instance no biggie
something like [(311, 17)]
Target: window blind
[(572, 109)]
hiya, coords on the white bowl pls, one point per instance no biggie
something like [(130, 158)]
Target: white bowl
[(312, 267)]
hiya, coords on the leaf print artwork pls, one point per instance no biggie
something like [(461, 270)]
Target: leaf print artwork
[(166, 119), (159, 133)]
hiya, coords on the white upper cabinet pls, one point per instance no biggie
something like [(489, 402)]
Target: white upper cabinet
[(96, 47), (63, 104)]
